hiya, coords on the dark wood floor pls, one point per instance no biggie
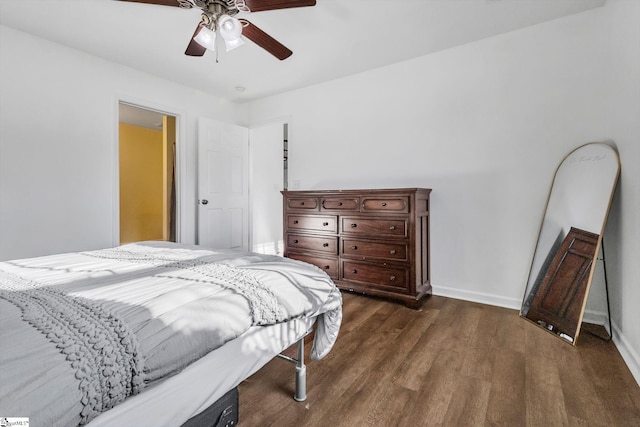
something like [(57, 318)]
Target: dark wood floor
[(452, 363)]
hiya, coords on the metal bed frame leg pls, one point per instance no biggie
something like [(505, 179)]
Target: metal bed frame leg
[(301, 372)]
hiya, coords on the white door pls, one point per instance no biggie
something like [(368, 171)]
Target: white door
[(223, 185), (267, 180)]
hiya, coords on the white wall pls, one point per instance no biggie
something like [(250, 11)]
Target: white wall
[(484, 125), (621, 108), (58, 136)]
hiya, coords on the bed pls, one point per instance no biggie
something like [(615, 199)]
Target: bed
[(152, 333)]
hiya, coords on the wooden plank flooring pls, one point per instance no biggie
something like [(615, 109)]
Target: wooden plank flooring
[(451, 363)]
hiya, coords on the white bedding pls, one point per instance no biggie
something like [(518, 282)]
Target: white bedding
[(87, 330)]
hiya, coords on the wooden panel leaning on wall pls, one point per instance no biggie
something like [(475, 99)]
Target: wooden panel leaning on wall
[(375, 242)]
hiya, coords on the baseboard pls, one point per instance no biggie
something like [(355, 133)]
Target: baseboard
[(480, 297), (627, 352)]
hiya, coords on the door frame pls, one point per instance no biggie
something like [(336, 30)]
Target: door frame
[(180, 160)]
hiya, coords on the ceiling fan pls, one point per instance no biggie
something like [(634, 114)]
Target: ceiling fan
[(220, 15)]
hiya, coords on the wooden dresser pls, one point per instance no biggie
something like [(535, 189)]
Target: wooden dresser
[(371, 241)]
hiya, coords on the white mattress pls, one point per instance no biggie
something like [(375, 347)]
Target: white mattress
[(178, 398)]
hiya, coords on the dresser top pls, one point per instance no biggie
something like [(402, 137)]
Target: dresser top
[(362, 191)]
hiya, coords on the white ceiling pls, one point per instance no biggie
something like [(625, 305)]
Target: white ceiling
[(333, 39), (137, 116)]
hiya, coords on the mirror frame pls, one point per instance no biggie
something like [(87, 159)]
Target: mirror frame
[(600, 233)]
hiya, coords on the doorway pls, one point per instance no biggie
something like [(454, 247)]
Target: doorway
[(269, 153), (147, 178)]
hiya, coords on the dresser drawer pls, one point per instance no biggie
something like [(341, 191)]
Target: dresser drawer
[(306, 203), (398, 204), (376, 275), (374, 226), (327, 223), (383, 250), (340, 204), (327, 245), (329, 265)]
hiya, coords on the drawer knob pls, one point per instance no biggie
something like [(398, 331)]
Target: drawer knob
[(392, 278), (354, 248), (295, 221), (354, 271), (325, 223), (354, 225), (393, 227), (325, 245), (340, 204), (327, 267), (392, 251), (383, 204), (301, 203), (295, 241)]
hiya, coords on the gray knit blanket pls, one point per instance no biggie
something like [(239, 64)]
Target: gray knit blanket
[(101, 349)]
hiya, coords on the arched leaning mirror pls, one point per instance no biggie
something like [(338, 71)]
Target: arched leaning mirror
[(569, 239)]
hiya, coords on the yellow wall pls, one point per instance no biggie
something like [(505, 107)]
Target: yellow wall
[(141, 184)]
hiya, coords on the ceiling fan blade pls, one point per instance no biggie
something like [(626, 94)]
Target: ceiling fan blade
[(194, 48), (264, 40), (160, 2), (261, 5)]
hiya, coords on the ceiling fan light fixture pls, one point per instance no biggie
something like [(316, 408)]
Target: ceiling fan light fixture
[(206, 38), (232, 44), (230, 28)]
